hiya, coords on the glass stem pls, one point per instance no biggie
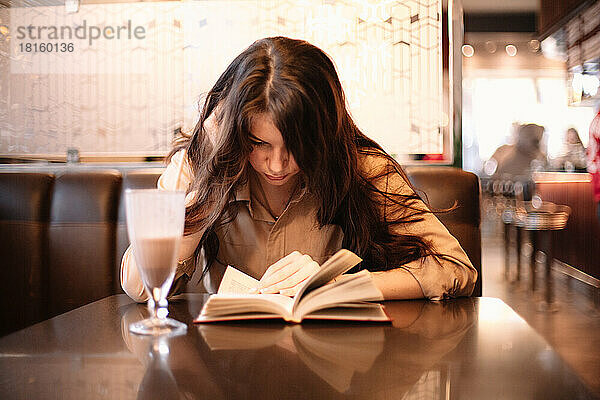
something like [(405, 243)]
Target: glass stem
[(161, 310), (158, 305)]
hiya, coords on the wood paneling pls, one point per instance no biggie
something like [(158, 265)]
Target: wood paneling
[(555, 13), (579, 243)]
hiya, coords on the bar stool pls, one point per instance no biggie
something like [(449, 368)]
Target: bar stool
[(540, 218), (507, 217), (509, 193)]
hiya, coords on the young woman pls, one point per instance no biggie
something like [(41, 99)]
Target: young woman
[(279, 178)]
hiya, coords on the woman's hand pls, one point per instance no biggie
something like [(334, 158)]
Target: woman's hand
[(288, 274)]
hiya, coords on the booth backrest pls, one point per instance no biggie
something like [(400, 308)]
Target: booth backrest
[(62, 237), (24, 217), (444, 187), (82, 238)]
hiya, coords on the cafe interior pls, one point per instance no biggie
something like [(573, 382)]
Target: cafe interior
[(490, 107)]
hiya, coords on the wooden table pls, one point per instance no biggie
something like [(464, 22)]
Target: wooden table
[(469, 348)]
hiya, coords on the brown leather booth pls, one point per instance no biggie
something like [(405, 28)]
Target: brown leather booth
[(62, 237), (82, 238), (443, 186), (24, 217)]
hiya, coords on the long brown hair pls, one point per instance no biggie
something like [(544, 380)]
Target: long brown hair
[(296, 84)]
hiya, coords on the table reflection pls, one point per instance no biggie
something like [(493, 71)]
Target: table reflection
[(174, 368), (311, 360)]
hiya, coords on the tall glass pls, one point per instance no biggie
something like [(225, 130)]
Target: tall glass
[(155, 221)]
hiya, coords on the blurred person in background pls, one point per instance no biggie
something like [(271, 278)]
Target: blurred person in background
[(523, 157), (593, 158), (573, 155)]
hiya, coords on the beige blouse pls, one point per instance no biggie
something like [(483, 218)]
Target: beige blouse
[(254, 239)]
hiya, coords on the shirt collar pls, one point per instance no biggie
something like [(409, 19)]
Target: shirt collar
[(256, 210), (242, 193)]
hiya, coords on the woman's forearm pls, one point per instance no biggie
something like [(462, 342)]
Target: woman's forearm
[(397, 284), (131, 281)]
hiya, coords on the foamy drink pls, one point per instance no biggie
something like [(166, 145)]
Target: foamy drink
[(156, 259)]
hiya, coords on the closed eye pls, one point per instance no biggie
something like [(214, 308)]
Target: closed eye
[(257, 142)]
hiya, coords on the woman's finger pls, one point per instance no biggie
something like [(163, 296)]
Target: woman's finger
[(280, 264), (276, 272), (300, 276), (295, 275), (294, 290), (284, 277)]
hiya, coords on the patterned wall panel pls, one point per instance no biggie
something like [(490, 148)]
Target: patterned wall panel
[(387, 54), (119, 96)]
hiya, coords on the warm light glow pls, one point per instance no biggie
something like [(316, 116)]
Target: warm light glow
[(590, 84), (495, 311), (551, 50), (562, 182), (541, 100), (511, 50), (577, 83), (561, 177), (468, 50), (585, 84)]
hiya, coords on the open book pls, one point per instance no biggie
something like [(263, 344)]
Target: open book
[(345, 299)]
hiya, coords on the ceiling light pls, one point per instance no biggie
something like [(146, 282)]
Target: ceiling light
[(511, 50), (468, 50)]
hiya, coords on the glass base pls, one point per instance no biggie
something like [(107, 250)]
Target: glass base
[(157, 326)]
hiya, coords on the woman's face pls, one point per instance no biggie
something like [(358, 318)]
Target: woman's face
[(269, 157)]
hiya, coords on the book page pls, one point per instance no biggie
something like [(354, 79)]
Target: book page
[(370, 312), (352, 288), (336, 265), (236, 282), (245, 306)]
